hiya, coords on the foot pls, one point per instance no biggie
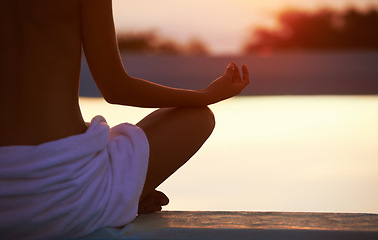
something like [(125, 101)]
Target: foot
[(153, 202)]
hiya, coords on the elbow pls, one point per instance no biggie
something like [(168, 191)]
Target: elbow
[(118, 97), (115, 92), (112, 99), (110, 95)]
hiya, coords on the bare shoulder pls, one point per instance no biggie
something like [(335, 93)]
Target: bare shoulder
[(38, 9), (32, 26), (39, 71)]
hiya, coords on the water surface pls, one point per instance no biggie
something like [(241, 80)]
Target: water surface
[(276, 153)]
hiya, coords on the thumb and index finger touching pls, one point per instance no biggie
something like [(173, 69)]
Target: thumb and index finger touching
[(245, 74), (234, 72)]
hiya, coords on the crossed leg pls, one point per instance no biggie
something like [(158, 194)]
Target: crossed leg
[(174, 135)]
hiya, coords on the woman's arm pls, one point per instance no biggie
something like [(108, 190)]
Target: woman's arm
[(101, 51)]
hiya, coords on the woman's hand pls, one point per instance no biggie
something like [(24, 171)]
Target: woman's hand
[(228, 85)]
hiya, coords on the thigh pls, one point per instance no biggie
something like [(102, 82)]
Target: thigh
[(174, 135)]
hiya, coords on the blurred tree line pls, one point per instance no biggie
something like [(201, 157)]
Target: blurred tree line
[(151, 43), (324, 29)]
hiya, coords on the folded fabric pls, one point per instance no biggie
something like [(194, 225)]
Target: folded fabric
[(73, 186)]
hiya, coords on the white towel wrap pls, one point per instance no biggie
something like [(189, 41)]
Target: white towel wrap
[(73, 186)]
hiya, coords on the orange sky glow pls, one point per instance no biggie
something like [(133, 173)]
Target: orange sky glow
[(222, 24)]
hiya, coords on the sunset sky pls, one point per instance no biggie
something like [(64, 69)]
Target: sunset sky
[(223, 25)]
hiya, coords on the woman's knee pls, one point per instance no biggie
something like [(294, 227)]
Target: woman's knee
[(209, 117), (204, 118), (194, 120)]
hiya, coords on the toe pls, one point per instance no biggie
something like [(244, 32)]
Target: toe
[(161, 198)]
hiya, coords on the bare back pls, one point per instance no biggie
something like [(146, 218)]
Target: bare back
[(39, 71)]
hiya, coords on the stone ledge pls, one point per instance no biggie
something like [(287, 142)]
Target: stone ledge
[(246, 225)]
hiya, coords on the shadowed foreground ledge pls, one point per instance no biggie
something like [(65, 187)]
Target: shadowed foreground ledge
[(246, 225)]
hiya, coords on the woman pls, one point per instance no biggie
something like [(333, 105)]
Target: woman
[(61, 177)]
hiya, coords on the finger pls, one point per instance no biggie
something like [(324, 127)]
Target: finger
[(245, 73), (229, 69), (236, 75)]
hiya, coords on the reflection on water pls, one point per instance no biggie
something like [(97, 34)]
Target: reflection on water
[(281, 153)]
